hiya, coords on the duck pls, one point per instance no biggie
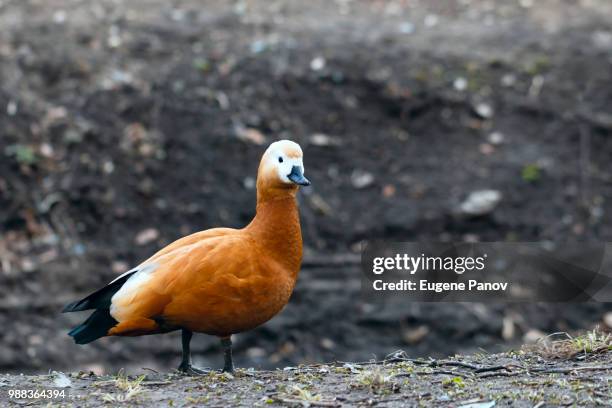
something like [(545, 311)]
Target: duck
[(219, 281)]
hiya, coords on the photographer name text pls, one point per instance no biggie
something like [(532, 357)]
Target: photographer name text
[(424, 285)]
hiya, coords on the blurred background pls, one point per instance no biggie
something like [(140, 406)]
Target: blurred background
[(127, 124)]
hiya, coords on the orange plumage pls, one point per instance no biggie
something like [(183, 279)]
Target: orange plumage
[(219, 281)]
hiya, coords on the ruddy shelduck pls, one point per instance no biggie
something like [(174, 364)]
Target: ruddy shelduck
[(220, 281)]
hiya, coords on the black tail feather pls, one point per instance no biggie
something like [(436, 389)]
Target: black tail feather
[(100, 321), (100, 299), (97, 325)]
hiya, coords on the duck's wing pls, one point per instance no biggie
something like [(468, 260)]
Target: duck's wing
[(193, 286), (186, 268)]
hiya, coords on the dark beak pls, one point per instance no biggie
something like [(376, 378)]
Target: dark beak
[(297, 176)]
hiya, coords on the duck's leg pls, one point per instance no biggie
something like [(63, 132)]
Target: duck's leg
[(226, 342), (185, 365)]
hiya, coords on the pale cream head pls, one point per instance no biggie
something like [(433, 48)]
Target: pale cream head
[(284, 160)]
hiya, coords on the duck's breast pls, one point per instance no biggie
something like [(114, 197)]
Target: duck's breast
[(234, 287)]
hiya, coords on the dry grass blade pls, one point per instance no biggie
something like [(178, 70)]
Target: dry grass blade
[(595, 341)]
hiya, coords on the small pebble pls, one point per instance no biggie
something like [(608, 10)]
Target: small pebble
[(431, 20), (607, 319), (406, 28), (317, 64), (496, 138), (484, 110), (361, 179), (11, 108), (460, 84), (480, 202)]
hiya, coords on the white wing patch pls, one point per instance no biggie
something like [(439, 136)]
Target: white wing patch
[(122, 275), (130, 288)]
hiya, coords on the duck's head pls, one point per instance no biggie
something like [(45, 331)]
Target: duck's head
[(282, 167)]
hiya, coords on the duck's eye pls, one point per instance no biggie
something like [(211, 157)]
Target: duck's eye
[(280, 159)]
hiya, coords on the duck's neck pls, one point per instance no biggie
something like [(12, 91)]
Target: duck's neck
[(276, 227)]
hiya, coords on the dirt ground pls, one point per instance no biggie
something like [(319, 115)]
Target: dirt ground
[(125, 125), (480, 381)]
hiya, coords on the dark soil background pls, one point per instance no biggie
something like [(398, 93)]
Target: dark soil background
[(125, 125)]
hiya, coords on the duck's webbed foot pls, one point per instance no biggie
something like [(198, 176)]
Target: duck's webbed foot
[(188, 369)]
